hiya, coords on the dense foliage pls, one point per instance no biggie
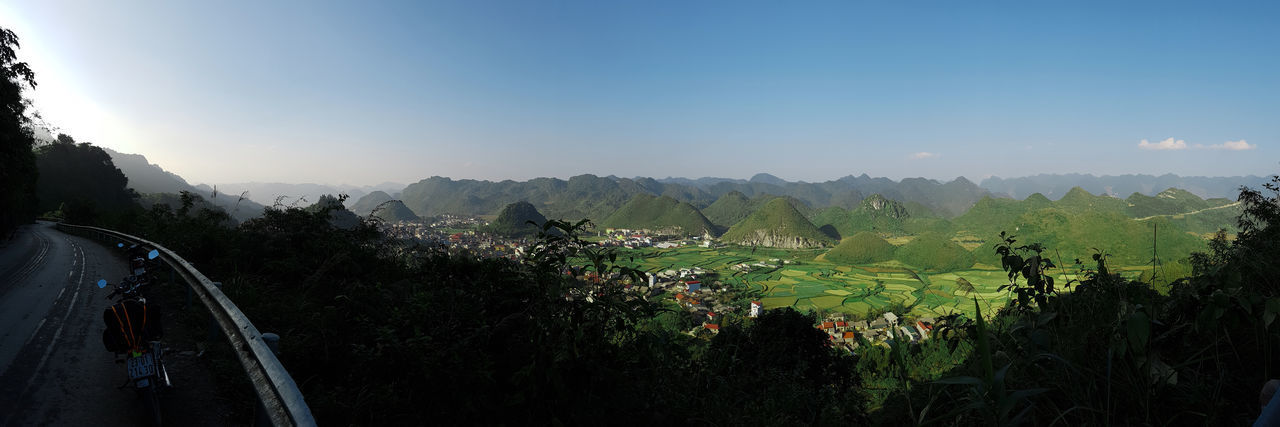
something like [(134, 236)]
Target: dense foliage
[(80, 180), (18, 169), (1114, 351)]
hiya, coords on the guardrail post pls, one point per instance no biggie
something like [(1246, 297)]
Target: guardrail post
[(260, 417), (213, 324)]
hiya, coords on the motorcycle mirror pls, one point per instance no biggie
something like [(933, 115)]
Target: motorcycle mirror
[(119, 245), (153, 254), (102, 283)]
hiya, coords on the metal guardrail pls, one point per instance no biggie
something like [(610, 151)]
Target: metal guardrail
[(277, 392)]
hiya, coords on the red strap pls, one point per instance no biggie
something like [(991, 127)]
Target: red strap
[(126, 334)]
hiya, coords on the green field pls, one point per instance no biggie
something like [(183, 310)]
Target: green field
[(807, 283)]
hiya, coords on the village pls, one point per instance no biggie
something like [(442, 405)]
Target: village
[(708, 304), (705, 302)]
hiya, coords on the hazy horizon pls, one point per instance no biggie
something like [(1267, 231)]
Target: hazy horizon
[(323, 92)]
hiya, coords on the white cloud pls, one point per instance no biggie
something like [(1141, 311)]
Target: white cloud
[(924, 155), (1168, 144), (1234, 145)]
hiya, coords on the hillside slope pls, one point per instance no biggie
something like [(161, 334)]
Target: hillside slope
[(369, 202), (396, 211), (514, 219), (147, 178), (861, 248), (660, 213), (777, 224)]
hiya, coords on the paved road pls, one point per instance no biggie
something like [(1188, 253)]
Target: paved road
[(53, 367)]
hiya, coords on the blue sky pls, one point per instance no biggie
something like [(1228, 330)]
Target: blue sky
[(348, 92)]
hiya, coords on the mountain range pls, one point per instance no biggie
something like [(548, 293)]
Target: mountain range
[(1055, 186), (914, 204), (147, 178), (267, 193)]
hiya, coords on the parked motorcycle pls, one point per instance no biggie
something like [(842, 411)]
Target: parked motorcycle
[(133, 332)]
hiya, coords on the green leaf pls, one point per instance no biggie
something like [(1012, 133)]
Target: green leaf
[(1139, 326), (972, 381), (1273, 308)]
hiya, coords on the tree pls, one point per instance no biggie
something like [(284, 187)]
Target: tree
[(83, 177), (17, 162)]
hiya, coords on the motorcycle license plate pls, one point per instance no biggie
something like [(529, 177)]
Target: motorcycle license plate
[(142, 366)]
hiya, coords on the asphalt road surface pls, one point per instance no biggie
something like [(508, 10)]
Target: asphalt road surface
[(54, 369)]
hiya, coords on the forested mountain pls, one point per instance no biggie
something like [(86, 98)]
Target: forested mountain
[(80, 178), (1055, 186), (658, 213), (777, 224), (147, 178)]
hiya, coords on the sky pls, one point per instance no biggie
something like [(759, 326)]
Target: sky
[(368, 92)]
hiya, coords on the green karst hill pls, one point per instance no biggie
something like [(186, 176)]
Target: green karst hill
[(733, 207), (513, 220), (1186, 210), (992, 215), (1080, 200), (862, 248), (656, 213), (395, 211), (935, 252), (777, 224), (1129, 242), (366, 204), (729, 209), (1168, 202), (876, 213)]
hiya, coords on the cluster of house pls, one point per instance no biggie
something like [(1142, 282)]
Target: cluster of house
[(772, 264), (617, 237), (479, 244), (879, 330), (621, 237), (457, 221)]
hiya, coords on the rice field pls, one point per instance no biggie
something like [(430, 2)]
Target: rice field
[(800, 279)]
